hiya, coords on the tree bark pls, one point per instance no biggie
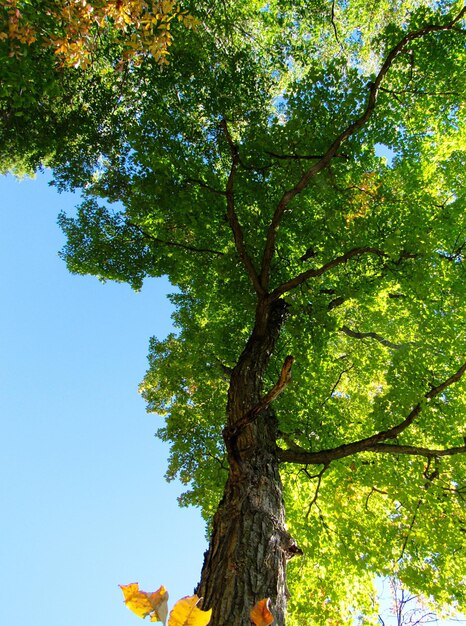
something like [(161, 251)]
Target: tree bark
[(249, 547)]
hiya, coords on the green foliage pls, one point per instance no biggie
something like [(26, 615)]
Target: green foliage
[(370, 336)]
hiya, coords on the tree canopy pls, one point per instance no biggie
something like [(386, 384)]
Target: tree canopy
[(297, 171)]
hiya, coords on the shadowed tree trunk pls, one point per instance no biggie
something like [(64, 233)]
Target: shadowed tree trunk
[(250, 546)]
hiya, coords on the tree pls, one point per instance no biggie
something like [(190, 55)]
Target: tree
[(250, 170)]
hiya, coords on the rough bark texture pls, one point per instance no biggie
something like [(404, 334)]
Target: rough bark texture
[(249, 547)]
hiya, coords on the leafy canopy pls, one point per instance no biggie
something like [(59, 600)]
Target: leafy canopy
[(369, 255), (65, 73)]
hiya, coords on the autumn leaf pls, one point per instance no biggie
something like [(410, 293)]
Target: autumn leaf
[(134, 24), (143, 603), (186, 613), (260, 614)]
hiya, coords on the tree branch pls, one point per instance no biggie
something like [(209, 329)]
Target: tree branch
[(374, 442), (173, 244), (231, 432), (233, 218), (302, 157), (319, 482), (406, 539), (332, 17), (312, 273), (388, 448), (350, 130), (203, 185), (376, 336), (337, 382)]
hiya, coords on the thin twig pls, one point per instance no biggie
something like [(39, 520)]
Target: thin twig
[(174, 244), (373, 490), (340, 375), (376, 336), (203, 185), (302, 157), (406, 539), (335, 26), (316, 494)]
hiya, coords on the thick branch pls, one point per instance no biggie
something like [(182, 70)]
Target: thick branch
[(173, 244), (374, 442), (283, 380), (388, 448), (312, 273), (304, 457), (233, 218), (350, 130)]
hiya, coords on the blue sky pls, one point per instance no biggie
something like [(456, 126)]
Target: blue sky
[(84, 503)]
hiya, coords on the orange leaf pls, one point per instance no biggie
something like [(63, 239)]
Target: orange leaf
[(260, 614), (186, 613), (143, 603)]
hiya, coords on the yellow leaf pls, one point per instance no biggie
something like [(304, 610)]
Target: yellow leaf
[(167, 6), (186, 613), (143, 603), (260, 614)]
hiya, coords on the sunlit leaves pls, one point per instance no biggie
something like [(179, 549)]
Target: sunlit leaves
[(155, 605), (186, 613), (144, 604), (73, 29)]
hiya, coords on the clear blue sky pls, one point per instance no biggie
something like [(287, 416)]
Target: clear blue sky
[(84, 503)]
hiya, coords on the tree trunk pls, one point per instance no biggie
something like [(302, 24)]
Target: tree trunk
[(249, 547)]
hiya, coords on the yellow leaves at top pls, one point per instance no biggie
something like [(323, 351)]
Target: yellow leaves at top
[(155, 606), (146, 604), (14, 30), (167, 6), (140, 27), (260, 614), (186, 613)]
